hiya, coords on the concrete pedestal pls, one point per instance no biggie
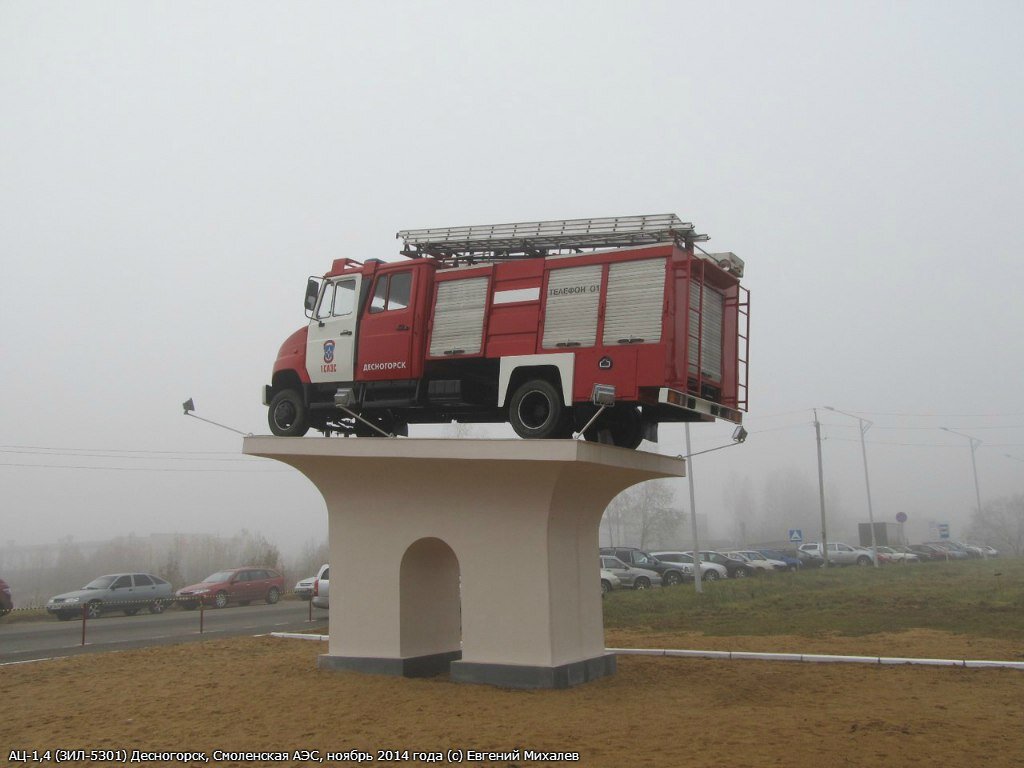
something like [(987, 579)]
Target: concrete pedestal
[(477, 557)]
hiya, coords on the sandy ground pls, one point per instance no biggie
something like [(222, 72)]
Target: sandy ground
[(267, 694)]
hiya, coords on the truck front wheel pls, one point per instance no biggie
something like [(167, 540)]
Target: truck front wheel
[(535, 411), (288, 415)]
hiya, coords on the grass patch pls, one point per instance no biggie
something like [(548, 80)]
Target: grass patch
[(977, 597)]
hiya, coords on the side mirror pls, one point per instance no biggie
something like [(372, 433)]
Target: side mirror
[(312, 291)]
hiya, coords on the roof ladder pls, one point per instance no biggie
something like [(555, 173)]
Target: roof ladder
[(531, 239)]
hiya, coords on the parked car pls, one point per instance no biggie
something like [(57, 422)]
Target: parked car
[(928, 552), (953, 552), (758, 562), (322, 587), (840, 553), (304, 588), (631, 576), (898, 555), (670, 573), (791, 561), (736, 568), (609, 581), (708, 571), (809, 558), (236, 585), (6, 601), (128, 592)]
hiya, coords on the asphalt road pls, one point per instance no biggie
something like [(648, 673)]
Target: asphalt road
[(34, 640)]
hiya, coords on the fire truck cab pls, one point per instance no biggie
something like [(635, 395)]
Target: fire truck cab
[(540, 324)]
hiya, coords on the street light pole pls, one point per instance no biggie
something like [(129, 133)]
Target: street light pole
[(975, 442), (865, 425), (697, 586), (738, 436), (821, 491)]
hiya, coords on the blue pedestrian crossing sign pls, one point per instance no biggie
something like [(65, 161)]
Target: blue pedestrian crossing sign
[(796, 535)]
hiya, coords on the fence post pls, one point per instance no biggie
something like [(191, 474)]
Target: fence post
[(202, 610), (85, 614)]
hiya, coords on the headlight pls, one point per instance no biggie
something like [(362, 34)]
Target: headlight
[(201, 591), (71, 599)]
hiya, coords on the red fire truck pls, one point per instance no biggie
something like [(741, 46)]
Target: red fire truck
[(602, 327)]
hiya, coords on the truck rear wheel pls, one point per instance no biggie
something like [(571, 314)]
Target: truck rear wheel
[(287, 415), (627, 426), (536, 412)]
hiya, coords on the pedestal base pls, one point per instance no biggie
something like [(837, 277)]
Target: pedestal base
[(416, 666), (478, 555), (521, 676)]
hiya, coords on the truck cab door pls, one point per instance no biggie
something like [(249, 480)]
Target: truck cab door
[(391, 328), (330, 342)]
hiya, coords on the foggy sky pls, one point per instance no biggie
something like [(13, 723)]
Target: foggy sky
[(170, 174)]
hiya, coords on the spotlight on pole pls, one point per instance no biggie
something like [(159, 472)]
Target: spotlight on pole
[(189, 407)]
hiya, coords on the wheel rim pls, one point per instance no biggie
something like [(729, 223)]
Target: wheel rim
[(221, 600), (534, 409), (157, 607), (93, 610), (272, 597), (285, 414)]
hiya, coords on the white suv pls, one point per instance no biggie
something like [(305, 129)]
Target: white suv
[(839, 553), (322, 587)]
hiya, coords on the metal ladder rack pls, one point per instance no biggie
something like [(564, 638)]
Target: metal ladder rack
[(531, 239)]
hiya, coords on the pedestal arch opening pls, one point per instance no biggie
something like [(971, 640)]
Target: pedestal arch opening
[(430, 604)]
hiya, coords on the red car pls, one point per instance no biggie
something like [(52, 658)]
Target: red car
[(237, 585), (6, 602)]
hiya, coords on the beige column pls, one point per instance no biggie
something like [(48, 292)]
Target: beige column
[(477, 557)]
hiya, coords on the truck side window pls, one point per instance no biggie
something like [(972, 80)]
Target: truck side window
[(380, 295), (396, 296), (401, 290), (344, 298), (324, 310)]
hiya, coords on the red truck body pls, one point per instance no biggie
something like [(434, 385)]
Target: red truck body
[(475, 335)]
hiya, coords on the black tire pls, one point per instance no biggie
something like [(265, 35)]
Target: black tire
[(606, 586), (536, 411), (710, 576), (642, 582), (94, 609), (220, 599), (131, 611), (672, 578), (157, 606), (627, 427), (288, 415), (740, 573), (273, 595), (863, 560)]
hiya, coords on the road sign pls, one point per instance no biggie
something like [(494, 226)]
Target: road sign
[(901, 517), (796, 535), (943, 530)]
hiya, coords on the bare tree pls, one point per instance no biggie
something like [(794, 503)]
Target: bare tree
[(643, 516), (1000, 523)]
